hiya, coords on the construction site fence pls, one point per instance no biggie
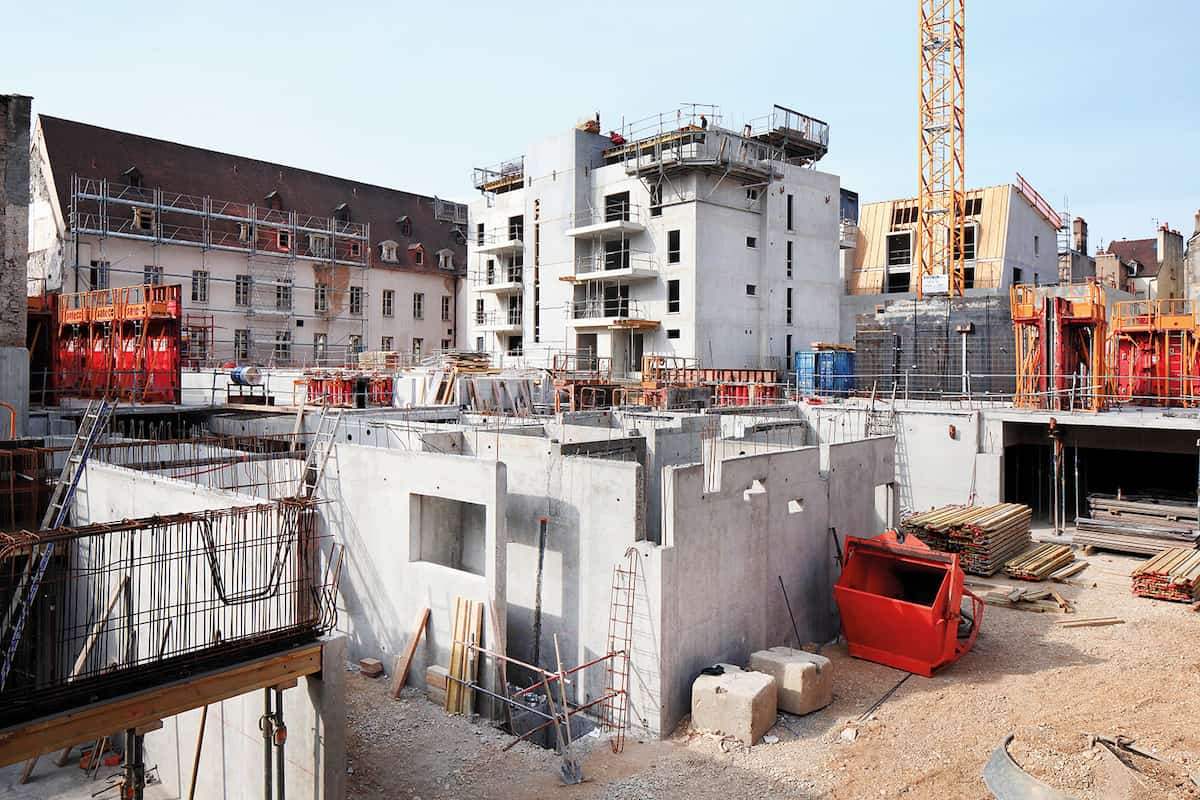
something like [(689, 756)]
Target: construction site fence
[(131, 604)]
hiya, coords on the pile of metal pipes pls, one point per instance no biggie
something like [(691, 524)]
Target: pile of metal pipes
[(1171, 575), (983, 536)]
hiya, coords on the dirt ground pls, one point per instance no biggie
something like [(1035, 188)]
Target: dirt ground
[(1050, 686)]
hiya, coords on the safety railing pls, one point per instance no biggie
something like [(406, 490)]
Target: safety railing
[(611, 260), (500, 177), (609, 212)]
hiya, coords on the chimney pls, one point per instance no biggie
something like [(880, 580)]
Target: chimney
[(1080, 228)]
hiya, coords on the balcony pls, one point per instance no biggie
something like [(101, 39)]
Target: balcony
[(611, 222), (509, 280), (502, 177), (497, 241), (847, 235), (612, 313), (505, 321), (625, 265)]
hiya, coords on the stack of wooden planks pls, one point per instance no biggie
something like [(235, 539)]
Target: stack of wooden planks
[(452, 364), (464, 660), (1040, 562), (983, 536), (1171, 575), (1133, 524)]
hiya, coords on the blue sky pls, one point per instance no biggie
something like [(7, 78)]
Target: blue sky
[(1095, 102)]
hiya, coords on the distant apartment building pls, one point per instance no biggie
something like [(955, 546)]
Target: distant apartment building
[(1152, 269), (279, 265), (1192, 260), (678, 235), (1010, 236)]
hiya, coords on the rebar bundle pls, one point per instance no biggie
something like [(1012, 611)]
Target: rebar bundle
[(983, 536), (1171, 575)]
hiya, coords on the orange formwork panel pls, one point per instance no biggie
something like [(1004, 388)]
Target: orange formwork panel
[(901, 604)]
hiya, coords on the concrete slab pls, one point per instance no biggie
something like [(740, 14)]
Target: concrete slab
[(738, 703), (803, 680)]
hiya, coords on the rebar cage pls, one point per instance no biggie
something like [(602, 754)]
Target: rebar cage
[(131, 604)]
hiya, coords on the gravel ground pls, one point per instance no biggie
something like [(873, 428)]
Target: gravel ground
[(1048, 685)]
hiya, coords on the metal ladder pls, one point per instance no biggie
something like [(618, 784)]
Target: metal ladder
[(91, 427), (614, 710), (318, 452)]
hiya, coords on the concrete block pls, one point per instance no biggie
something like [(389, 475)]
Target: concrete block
[(436, 696), (803, 681), (738, 703), (371, 667)]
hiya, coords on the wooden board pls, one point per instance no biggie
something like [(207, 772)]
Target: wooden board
[(404, 661), (142, 708)]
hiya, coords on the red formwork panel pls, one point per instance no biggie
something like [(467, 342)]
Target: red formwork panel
[(99, 381), (163, 362)]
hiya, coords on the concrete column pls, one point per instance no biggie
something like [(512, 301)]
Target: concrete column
[(14, 254)]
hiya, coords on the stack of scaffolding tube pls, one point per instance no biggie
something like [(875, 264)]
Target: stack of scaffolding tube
[(1131, 524), (983, 536)]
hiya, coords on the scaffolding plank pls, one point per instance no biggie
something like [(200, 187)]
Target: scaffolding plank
[(141, 708)]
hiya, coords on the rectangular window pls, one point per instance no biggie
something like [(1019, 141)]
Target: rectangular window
[(445, 345), (152, 275), (789, 305), (751, 290), (283, 295), (283, 346), (752, 195), (490, 271), (1016, 275), (656, 200), (904, 215), (673, 297), (143, 219), (673, 253), (967, 243), (516, 345), (356, 300), (974, 206), (898, 282), (418, 305), (241, 344), (788, 355), (479, 316), (320, 347), (389, 305), (318, 245), (516, 228), (616, 207), (751, 241), (790, 218), (355, 249), (616, 254), (1036, 243), (387, 343), (478, 344), (899, 249), (445, 308), (416, 348), (788, 256), (283, 239), (672, 333), (320, 298), (99, 275), (241, 290), (479, 234), (355, 344), (199, 286)]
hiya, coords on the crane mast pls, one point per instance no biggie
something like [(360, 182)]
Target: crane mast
[(942, 195)]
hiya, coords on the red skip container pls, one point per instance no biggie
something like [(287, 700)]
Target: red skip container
[(901, 604)]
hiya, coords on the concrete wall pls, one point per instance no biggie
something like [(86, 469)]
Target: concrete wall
[(14, 235), (769, 519), (107, 493), (231, 763), (371, 511)]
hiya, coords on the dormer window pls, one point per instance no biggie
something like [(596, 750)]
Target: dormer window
[(244, 232), (355, 249), (133, 177), (143, 219), (273, 201), (446, 259), (405, 224), (342, 212), (418, 254), (283, 239), (318, 245), (388, 251)]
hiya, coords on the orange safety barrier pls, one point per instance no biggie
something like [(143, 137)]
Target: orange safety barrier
[(901, 604)]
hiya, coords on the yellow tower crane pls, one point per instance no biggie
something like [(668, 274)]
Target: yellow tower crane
[(942, 196)]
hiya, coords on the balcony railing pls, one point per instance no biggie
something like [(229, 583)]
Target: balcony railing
[(610, 212), (502, 235), (502, 276), (504, 318), (638, 260), (608, 308)]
